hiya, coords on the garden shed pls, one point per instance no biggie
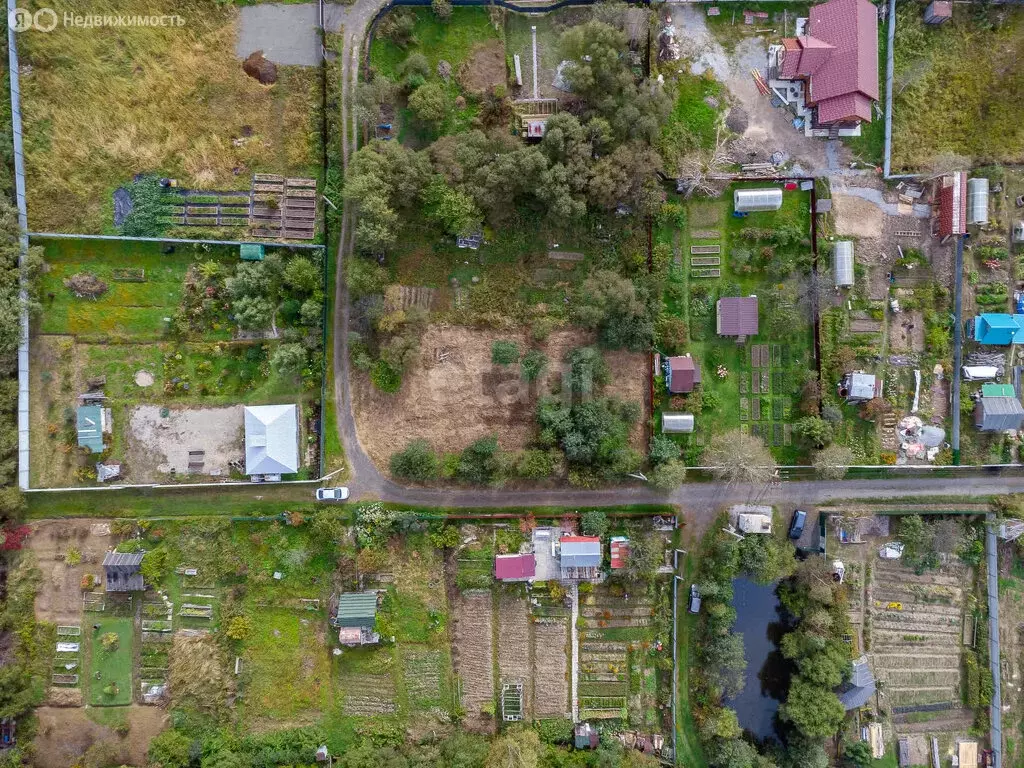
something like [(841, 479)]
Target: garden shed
[(682, 374), (1018, 232), (736, 316), (677, 422), (998, 414), (977, 201), (271, 439), (580, 557), (619, 549), (859, 387), (938, 12), (998, 328), (842, 263), (861, 687), (251, 252), (355, 616), (745, 200), (90, 424), (123, 571), (515, 567), (952, 208)]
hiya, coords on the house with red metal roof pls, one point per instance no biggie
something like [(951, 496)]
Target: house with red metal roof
[(682, 374), (515, 567), (951, 216), (836, 57)]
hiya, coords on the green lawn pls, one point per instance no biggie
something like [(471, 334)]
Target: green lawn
[(128, 310), (693, 120), (689, 751), (114, 667)]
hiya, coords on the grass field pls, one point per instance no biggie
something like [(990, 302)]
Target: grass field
[(959, 88), (134, 310), (104, 104), (693, 122), (114, 667), (452, 41), (287, 666)]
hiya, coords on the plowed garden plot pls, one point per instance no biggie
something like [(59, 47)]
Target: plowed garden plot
[(426, 678), (514, 645), (915, 634), (367, 695), (551, 668), (473, 655)]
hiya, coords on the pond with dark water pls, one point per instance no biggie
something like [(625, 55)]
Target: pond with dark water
[(761, 620)]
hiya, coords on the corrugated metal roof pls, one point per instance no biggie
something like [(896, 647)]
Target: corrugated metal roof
[(619, 552), (120, 559), (271, 439), (515, 566), (997, 390), (737, 316), (998, 414), (357, 609), (580, 551)]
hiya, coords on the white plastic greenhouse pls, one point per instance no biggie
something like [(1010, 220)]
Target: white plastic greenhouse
[(977, 201), (757, 199), (677, 422), (842, 263)]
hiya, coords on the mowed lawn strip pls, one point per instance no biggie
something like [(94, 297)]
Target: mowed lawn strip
[(113, 666)]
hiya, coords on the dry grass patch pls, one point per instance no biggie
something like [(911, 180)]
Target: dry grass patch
[(101, 105), (198, 679)]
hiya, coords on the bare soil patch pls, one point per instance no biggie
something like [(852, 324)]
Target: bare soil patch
[(159, 444), (473, 654), (857, 217), (59, 598), (452, 394), (907, 332), (484, 69), (65, 734)]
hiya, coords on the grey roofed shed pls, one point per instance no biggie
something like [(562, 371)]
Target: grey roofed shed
[(122, 571), (861, 688), (769, 199), (271, 439), (677, 422), (998, 414), (977, 201), (842, 263)]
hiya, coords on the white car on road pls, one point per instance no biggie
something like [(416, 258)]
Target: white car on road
[(331, 494)]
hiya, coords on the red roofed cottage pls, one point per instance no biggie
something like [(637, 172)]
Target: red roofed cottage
[(515, 567), (838, 59), (952, 195)]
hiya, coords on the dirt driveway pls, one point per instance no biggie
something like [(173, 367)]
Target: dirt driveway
[(59, 598), (452, 394), (769, 128)]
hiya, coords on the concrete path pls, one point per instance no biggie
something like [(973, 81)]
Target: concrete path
[(286, 32), (872, 195), (574, 595)]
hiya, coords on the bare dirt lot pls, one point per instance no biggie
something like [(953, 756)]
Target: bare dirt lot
[(157, 444), (857, 217), (66, 733), (485, 68), (452, 394), (59, 598)]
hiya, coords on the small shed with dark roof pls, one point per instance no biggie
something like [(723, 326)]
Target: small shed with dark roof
[(938, 12), (858, 692), (123, 571), (998, 414), (736, 316), (682, 374)]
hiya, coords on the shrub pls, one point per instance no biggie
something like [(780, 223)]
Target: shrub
[(504, 352), (533, 364), (110, 641), (594, 522), (385, 378), (417, 461), (73, 556), (239, 627)]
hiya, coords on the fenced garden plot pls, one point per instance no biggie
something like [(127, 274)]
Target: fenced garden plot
[(87, 93), (67, 660), (915, 633), (514, 645), (171, 341), (426, 675), (110, 661), (766, 254), (365, 681), (473, 656)]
